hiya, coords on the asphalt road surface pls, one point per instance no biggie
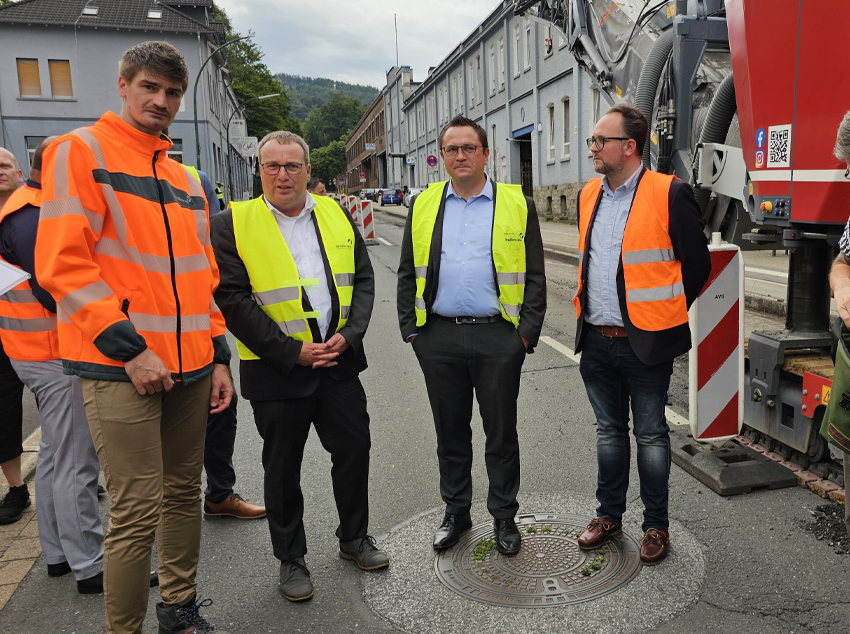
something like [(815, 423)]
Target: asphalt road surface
[(760, 573)]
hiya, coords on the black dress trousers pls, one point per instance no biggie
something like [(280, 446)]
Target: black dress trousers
[(457, 360), (11, 410), (218, 453), (338, 411)]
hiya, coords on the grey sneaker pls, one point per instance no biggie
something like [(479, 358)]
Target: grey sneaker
[(365, 553), (295, 583), (185, 619)]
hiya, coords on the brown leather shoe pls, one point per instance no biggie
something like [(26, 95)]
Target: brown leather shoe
[(597, 532), (654, 547), (234, 506)]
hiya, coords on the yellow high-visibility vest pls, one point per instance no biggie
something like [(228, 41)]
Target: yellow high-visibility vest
[(275, 282), (508, 245)]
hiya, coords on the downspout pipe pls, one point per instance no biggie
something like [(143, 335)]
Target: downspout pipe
[(647, 86)]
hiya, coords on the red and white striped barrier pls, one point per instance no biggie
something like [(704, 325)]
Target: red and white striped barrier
[(716, 359), (354, 208), (367, 222)]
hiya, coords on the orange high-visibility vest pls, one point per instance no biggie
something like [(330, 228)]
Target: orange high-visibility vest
[(655, 293), (124, 235), (27, 329)]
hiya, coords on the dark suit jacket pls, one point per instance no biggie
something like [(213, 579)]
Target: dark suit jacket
[(689, 247), (534, 300), (276, 375)]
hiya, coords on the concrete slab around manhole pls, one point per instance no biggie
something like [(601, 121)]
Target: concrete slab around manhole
[(411, 597)]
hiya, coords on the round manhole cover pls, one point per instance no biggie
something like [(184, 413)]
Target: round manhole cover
[(549, 570)]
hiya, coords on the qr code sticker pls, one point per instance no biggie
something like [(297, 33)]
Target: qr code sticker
[(779, 146)]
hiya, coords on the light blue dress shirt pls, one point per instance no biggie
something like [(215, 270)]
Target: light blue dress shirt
[(466, 287), (606, 245)]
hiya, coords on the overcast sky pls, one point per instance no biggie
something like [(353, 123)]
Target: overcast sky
[(353, 40)]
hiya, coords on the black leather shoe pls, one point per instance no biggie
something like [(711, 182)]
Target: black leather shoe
[(92, 585), (508, 539), (57, 570), (451, 529)]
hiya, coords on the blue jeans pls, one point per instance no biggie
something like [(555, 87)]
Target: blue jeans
[(614, 376)]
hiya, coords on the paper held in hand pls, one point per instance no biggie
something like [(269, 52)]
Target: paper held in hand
[(11, 276)]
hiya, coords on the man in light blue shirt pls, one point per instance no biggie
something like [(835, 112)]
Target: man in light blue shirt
[(480, 309)]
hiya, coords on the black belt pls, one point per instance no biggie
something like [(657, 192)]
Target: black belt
[(468, 320)]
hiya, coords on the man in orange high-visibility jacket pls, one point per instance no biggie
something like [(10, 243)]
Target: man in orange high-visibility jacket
[(644, 259), (69, 527), (123, 247)]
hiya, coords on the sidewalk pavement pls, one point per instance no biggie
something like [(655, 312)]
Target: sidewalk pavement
[(765, 272)]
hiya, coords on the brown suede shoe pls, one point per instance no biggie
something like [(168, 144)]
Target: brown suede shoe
[(597, 532), (654, 547), (234, 506)]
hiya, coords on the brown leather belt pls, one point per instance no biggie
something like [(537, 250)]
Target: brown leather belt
[(611, 331)]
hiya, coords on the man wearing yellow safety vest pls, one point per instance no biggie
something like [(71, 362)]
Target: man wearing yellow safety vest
[(644, 259), (296, 291), (471, 301)]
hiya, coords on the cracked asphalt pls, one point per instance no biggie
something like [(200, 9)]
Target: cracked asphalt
[(761, 574)]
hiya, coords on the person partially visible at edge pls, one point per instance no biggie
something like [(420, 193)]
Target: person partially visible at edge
[(219, 193), (17, 500), (839, 276), (644, 260), (297, 289), (69, 527), (220, 500), (471, 301), (316, 187), (123, 247)]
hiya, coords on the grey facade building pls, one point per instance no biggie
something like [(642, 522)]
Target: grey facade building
[(59, 71), (517, 79)]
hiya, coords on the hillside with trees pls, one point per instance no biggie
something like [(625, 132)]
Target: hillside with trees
[(306, 93)]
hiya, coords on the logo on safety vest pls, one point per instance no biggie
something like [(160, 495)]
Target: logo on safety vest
[(512, 236)]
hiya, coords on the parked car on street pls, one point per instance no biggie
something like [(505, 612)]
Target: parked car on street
[(391, 197), (370, 194), (409, 194)]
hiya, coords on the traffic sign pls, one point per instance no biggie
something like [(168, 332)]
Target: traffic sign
[(432, 160), (411, 160), (249, 145), (363, 176)]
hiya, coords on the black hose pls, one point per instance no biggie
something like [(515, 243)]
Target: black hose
[(648, 82), (721, 111)]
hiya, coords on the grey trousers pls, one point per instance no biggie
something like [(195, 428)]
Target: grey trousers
[(69, 525)]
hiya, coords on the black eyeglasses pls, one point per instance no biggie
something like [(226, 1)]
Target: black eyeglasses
[(468, 149), (599, 141), (272, 169)]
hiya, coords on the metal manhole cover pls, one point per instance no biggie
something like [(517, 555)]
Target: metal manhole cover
[(550, 569)]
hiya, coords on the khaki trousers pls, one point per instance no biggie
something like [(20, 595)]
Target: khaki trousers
[(151, 449)]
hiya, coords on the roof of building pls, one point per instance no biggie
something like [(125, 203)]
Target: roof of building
[(119, 14), (189, 3)]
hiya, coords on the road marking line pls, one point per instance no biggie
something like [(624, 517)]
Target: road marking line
[(673, 418), (387, 242)]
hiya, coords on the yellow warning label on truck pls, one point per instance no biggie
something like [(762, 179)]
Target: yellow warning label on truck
[(826, 392)]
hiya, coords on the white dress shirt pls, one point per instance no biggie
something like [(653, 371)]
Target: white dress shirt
[(299, 233)]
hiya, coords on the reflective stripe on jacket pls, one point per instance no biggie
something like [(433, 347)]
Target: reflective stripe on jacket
[(275, 282), (508, 245), (124, 236), (27, 329), (655, 293)]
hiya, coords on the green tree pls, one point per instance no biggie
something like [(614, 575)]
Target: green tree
[(252, 78), (328, 162), (333, 120)]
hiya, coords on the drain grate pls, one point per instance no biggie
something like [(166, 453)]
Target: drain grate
[(550, 569)]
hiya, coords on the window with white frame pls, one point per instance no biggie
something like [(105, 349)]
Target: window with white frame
[(547, 43), (454, 93), (432, 118), (550, 136), (492, 70), (502, 65), (494, 153), (516, 49), (477, 76), (411, 128), (527, 44), (421, 116), (565, 148)]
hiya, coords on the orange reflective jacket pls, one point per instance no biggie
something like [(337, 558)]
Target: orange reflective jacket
[(27, 329), (655, 293), (123, 246)]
